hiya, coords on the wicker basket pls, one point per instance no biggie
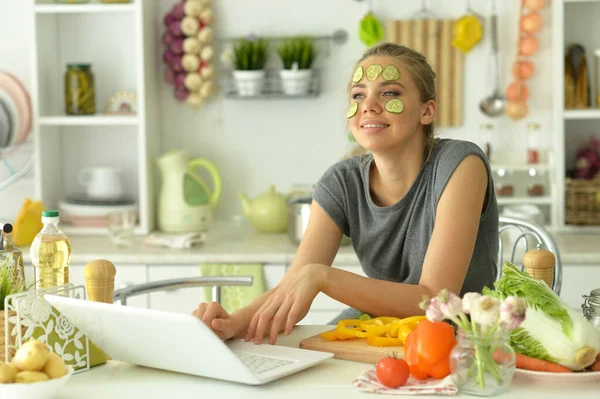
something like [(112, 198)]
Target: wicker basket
[(582, 201)]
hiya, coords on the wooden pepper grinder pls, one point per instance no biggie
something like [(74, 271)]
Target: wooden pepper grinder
[(100, 280), (539, 263)]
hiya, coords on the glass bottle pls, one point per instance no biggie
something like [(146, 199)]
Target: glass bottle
[(482, 365), (536, 184), (50, 253), (80, 94), (533, 143), (15, 258), (591, 307), (504, 187), (486, 135)]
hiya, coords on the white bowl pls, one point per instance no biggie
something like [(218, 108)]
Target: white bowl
[(36, 390)]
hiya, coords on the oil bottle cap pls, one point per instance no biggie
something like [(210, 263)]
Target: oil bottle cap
[(50, 216), (7, 228)]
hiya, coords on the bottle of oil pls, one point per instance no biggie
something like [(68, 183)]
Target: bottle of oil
[(50, 253), (10, 251)]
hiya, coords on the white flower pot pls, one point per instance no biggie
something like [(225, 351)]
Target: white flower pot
[(249, 83), (295, 81)]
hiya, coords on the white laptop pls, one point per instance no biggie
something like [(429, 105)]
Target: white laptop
[(180, 343)]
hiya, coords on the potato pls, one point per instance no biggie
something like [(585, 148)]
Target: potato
[(27, 377), (31, 356), (55, 367), (8, 372)]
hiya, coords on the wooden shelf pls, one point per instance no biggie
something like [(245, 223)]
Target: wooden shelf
[(93, 8), (521, 167), (569, 228), (92, 231), (92, 120), (524, 200), (573, 114)]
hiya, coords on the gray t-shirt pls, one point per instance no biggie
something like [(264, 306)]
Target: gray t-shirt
[(391, 242)]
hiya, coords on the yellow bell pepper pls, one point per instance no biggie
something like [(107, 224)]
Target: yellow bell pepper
[(350, 328), (334, 335), (383, 341)]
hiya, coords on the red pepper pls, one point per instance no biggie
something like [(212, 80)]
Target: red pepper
[(427, 349)]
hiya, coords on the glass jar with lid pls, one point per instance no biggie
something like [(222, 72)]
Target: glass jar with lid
[(536, 185), (533, 143), (591, 307), (80, 94), (503, 184), (486, 137)]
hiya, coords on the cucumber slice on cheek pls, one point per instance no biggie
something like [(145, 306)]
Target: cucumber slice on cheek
[(394, 106), (352, 110)]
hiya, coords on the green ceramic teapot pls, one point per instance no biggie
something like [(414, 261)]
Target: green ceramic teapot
[(268, 212)]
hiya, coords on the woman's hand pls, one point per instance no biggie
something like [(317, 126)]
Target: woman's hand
[(222, 323), (289, 303)]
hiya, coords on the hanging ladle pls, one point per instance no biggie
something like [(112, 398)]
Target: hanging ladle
[(495, 104)]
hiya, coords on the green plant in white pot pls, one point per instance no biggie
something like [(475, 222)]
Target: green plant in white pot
[(250, 59), (297, 56)]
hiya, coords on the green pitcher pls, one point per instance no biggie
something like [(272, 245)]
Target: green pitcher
[(185, 202)]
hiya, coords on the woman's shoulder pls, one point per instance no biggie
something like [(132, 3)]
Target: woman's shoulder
[(349, 166), (454, 150)]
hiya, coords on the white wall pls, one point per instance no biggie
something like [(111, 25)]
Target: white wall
[(283, 142)]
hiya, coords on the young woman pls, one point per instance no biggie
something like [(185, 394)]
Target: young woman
[(421, 212)]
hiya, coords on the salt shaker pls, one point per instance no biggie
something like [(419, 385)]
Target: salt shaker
[(100, 280), (539, 263), (591, 307)]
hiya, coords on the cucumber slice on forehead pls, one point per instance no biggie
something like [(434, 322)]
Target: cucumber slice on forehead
[(352, 110), (358, 74), (394, 106), (373, 71), (391, 73)]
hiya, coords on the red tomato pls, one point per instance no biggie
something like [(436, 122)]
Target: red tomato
[(392, 372)]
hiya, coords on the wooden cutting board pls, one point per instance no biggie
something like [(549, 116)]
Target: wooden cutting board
[(354, 349)]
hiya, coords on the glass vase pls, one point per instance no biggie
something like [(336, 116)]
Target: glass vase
[(482, 363)]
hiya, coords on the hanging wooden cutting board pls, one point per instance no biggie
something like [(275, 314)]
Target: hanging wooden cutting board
[(353, 349), (433, 39)]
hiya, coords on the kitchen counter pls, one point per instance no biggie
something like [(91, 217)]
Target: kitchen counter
[(230, 242), (330, 379)]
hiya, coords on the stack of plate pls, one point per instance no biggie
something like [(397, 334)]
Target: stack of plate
[(15, 111), (83, 211), (15, 126)]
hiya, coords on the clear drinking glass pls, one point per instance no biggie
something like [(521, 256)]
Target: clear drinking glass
[(120, 227)]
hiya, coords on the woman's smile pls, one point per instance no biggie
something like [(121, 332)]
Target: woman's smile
[(372, 126)]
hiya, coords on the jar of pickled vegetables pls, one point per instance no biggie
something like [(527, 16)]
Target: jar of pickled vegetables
[(80, 95)]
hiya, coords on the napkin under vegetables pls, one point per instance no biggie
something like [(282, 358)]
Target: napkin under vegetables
[(551, 331)]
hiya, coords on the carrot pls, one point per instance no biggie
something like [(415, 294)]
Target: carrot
[(533, 364), (596, 365)]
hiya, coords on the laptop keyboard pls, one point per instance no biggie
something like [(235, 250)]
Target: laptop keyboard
[(259, 364)]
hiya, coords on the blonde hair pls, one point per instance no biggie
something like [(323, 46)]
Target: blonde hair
[(421, 72)]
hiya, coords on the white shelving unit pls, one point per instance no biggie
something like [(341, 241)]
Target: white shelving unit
[(119, 41), (573, 21)]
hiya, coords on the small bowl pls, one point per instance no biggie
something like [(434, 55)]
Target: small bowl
[(36, 390)]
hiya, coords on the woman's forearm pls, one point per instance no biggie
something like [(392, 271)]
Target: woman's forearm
[(244, 315), (375, 297)]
